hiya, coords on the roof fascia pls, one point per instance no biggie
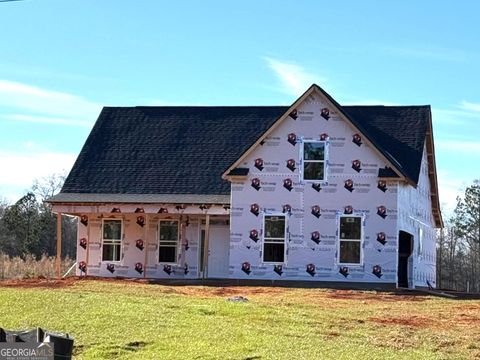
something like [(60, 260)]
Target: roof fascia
[(432, 174)]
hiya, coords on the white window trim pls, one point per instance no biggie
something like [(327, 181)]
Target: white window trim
[(177, 247), (121, 242), (362, 225), (284, 240), (302, 161)]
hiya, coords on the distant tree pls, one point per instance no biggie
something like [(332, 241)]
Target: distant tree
[(48, 186), (466, 222), (29, 226), (20, 222)]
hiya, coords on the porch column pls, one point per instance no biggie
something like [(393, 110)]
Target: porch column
[(205, 244), (88, 248), (145, 241), (58, 259)]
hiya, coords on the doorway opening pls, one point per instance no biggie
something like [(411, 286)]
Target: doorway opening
[(405, 248)]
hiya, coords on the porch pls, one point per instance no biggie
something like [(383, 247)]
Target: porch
[(148, 236)]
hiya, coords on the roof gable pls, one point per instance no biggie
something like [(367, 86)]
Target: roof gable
[(380, 128)]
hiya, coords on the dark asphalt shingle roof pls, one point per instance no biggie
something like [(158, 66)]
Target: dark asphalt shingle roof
[(185, 150), (397, 131), (166, 150)]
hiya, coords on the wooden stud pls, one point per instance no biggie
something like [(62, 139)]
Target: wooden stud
[(205, 245), (145, 241), (88, 245), (58, 260)]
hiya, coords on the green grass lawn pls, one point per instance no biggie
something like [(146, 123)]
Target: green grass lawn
[(131, 320)]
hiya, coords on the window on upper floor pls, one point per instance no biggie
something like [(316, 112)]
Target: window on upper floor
[(314, 160)]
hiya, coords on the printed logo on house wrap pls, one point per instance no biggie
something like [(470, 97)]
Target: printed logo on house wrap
[(292, 139), (256, 184), (315, 237), (84, 220), (382, 185), (357, 165), (82, 266), (293, 114), (357, 139), (377, 271), (139, 244), (139, 268), (291, 165), (310, 269), (325, 113), (259, 164), (255, 209)]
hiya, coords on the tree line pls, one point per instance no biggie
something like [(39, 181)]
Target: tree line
[(28, 227), (458, 244)]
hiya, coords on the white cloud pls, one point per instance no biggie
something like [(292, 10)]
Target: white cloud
[(464, 146), (48, 120), (450, 186), (19, 169), (470, 106), (369, 102), (429, 53), (47, 102), (294, 78)]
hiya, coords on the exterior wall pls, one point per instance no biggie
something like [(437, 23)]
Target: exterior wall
[(415, 216), (332, 197), (132, 262)]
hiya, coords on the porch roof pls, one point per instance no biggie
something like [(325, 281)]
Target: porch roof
[(70, 198)]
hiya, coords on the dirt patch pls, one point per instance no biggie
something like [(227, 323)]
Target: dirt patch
[(412, 321), (466, 319), (229, 291), (37, 283), (372, 296), (468, 307)]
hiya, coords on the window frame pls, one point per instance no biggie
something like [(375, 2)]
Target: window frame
[(361, 240), (177, 250), (113, 241), (273, 242), (303, 161)]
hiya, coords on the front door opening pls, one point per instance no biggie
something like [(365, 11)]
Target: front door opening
[(405, 248)]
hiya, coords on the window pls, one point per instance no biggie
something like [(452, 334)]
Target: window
[(111, 240), (168, 241), (314, 160), (274, 238), (350, 240), (420, 241)]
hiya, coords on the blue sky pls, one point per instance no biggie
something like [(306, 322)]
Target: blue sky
[(61, 61)]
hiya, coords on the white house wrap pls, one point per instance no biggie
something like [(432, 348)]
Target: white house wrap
[(312, 192)]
